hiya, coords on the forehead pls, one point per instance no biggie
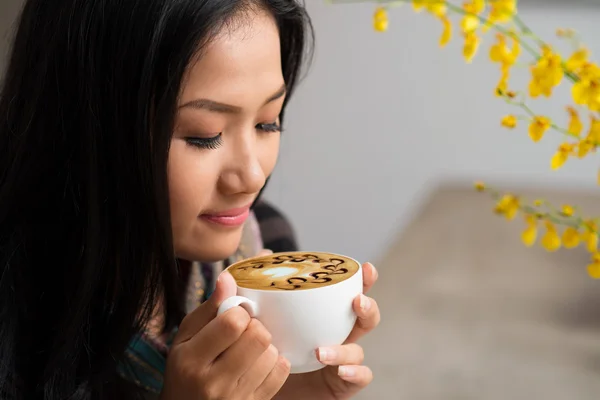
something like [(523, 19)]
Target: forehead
[(242, 60)]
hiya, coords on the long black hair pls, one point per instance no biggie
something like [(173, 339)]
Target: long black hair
[(87, 108)]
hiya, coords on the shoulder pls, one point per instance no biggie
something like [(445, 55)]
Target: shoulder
[(275, 228)]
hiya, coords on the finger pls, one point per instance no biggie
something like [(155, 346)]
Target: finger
[(274, 381), (264, 252), (242, 354), (349, 354), (370, 276), (203, 314), (255, 376), (218, 335), (358, 375), (368, 317)]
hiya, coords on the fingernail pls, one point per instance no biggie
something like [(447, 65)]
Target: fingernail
[(285, 362), (220, 277), (346, 372), (365, 303), (375, 272), (326, 354)]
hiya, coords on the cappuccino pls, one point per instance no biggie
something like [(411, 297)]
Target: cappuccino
[(293, 271)]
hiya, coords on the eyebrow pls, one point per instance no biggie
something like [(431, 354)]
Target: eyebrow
[(222, 108)]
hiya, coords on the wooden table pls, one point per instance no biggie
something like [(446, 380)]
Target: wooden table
[(470, 313)]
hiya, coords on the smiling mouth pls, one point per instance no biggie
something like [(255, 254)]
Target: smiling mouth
[(231, 218)]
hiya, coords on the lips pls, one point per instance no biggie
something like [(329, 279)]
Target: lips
[(232, 217)]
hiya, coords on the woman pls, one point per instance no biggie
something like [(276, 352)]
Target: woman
[(136, 135)]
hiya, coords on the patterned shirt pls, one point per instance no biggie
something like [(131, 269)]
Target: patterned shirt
[(146, 355)]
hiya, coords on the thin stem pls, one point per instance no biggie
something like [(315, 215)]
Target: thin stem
[(459, 10), (497, 27), (455, 9), (531, 113), (553, 215), (527, 31)]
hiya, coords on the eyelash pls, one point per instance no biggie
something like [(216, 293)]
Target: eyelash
[(216, 141), (273, 127), (205, 143)]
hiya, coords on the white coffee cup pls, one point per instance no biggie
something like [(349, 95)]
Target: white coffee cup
[(301, 321)]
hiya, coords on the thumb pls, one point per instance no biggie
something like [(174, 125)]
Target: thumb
[(264, 252), (224, 289), (207, 311)]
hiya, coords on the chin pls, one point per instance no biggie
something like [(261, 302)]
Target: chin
[(216, 254), (211, 250)]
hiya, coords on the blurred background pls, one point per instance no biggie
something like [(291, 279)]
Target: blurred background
[(383, 140)]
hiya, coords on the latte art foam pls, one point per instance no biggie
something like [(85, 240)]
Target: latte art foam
[(293, 271)]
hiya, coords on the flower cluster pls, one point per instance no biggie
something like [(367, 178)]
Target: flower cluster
[(562, 226)]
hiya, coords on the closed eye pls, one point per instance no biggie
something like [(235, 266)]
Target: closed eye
[(273, 127), (205, 143), (216, 141)]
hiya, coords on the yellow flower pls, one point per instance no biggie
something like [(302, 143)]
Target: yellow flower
[(502, 54), (592, 138), (435, 7), (591, 240), (502, 10), (479, 5), (594, 267), (469, 23), (578, 59), (590, 236), (447, 32), (418, 4), (380, 19), (508, 206), (538, 202), (509, 121), (594, 132), (561, 156), (570, 238), (506, 57), (567, 210), (470, 20), (575, 125), (538, 127), (584, 147), (470, 46), (586, 91), (502, 86), (546, 73), (479, 186), (529, 235), (551, 240), (589, 71)]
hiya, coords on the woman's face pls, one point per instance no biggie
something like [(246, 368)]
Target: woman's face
[(226, 138)]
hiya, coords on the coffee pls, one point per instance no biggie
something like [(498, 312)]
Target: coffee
[(276, 290), (293, 271)]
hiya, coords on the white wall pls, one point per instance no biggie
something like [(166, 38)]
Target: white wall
[(382, 118), (8, 12)]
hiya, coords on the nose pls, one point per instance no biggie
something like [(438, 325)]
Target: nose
[(243, 173)]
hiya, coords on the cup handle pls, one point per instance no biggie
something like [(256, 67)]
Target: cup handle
[(243, 302)]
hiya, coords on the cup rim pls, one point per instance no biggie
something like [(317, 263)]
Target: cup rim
[(303, 290)]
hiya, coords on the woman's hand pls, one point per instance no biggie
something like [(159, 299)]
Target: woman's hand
[(224, 357), (344, 375)]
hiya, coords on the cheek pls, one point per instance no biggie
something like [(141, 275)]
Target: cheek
[(268, 152), (192, 177)]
